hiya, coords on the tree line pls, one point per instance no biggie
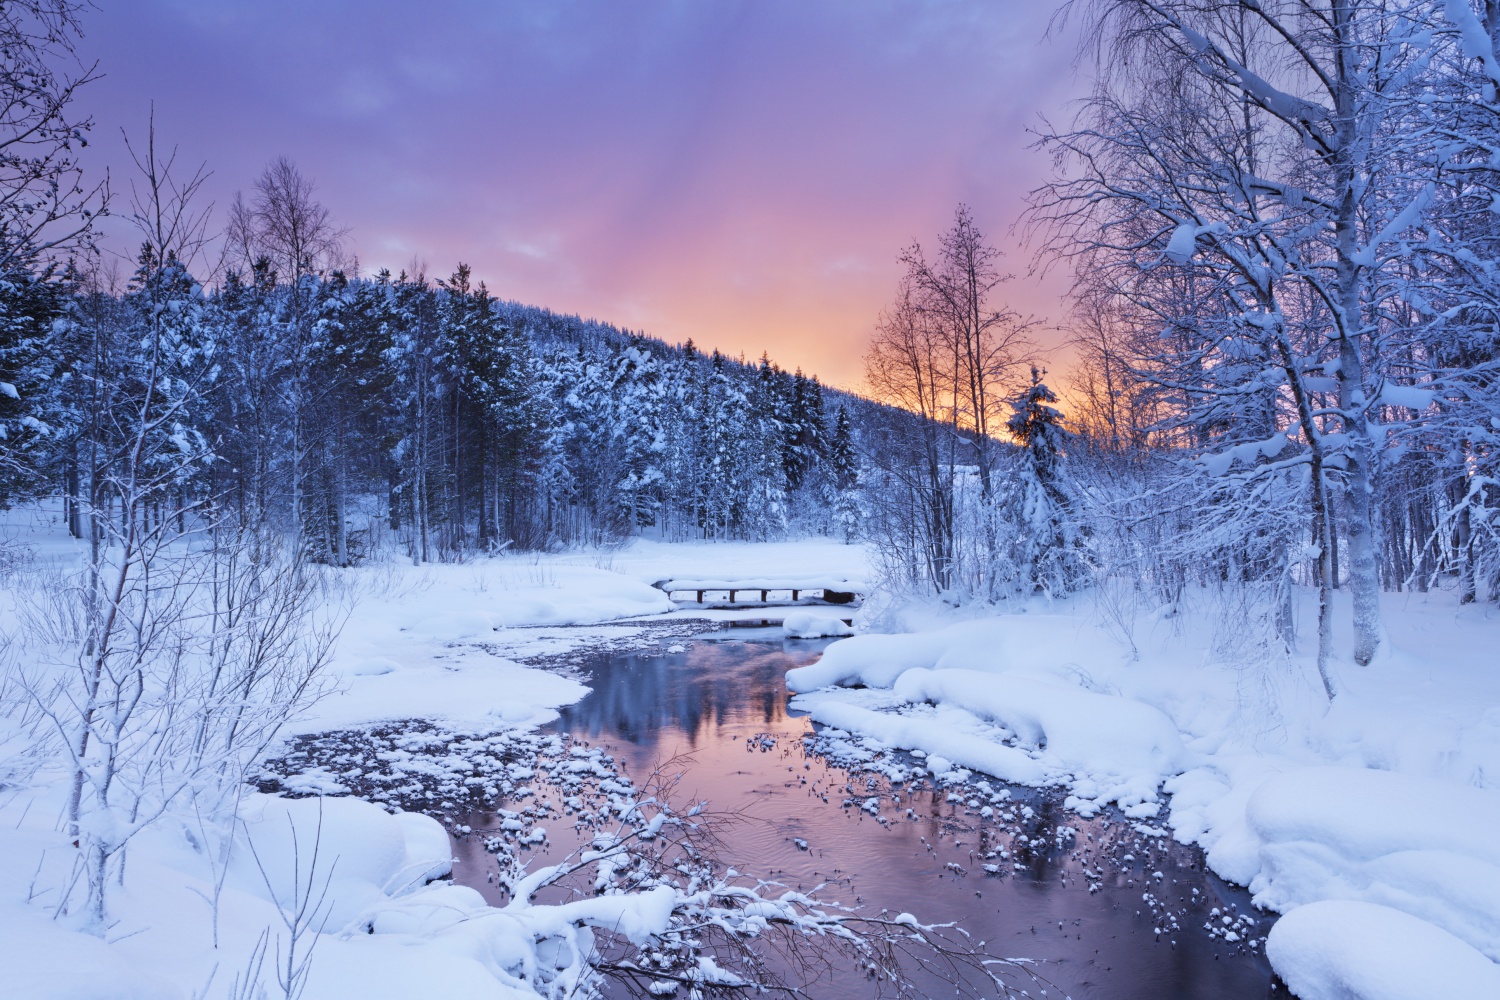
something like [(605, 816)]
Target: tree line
[(351, 411), (1281, 218)]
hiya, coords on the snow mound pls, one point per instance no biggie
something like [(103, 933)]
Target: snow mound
[(1045, 644), (61, 964), (950, 737), (806, 625), (359, 851), (871, 660), (1345, 950), (1111, 749), (959, 693), (1423, 846)]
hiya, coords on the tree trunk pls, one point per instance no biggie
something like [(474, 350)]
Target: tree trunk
[(340, 503), (1325, 574), (1364, 577), (71, 488)]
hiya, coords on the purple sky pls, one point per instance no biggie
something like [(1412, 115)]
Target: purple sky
[(742, 173)]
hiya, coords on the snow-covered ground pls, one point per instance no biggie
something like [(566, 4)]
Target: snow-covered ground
[(411, 649), (1371, 824), (203, 909)]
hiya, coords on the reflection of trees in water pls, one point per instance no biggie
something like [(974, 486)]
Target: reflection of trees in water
[(646, 705), (637, 696)]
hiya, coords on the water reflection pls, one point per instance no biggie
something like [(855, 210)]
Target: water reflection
[(692, 695), (1108, 912)]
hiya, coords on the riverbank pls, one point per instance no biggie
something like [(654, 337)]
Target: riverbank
[(1364, 819), (1374, 815), (480, 652), (1089, 908)]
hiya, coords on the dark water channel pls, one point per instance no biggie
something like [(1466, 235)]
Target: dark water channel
[(1105, 910)]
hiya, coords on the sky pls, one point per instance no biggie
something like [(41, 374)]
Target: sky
[(744, 173)]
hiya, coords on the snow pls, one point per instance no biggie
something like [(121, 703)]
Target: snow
[(1476, 41), (449, 644), (65, 965), (1109, 749), (1411, 397), (351, 853), (1384, 803), (809, 625), (1221, 462), (1428, 848), (1368, 824), (162, 944), (1179, 249), (1338, 949)]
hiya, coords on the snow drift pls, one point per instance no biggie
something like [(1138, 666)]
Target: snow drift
[(963, 693)]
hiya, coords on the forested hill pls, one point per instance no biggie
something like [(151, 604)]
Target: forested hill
[(423, 413)]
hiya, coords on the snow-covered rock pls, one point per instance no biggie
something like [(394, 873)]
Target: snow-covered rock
[(1345, 950), (808, 625)]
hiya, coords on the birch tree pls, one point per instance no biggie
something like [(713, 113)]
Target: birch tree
[(1244, 147)]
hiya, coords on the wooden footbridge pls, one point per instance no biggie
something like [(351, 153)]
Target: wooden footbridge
[(798, 589)]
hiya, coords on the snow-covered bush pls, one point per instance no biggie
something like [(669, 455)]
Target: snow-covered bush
[(164, 671)]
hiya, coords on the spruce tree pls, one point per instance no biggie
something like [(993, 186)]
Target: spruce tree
[(1048, 559)]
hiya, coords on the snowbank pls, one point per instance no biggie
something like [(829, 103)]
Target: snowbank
[(448, 602), (1371, 820), (411, 647), (177, 934), (1111, 749), (1341, 950), (868, 660), (987, 715), (1043, 645), (807, 625), (1426, 847)]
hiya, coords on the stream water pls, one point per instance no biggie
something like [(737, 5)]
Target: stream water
[(1105, 907)]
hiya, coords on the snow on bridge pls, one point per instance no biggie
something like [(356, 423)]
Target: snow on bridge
[(830, 589)]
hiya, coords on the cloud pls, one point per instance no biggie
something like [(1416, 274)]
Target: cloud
[(741, 173)]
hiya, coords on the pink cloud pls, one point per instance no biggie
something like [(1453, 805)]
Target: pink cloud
[(744, 174)]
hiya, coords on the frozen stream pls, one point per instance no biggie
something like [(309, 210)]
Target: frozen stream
[(1106, 910)]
